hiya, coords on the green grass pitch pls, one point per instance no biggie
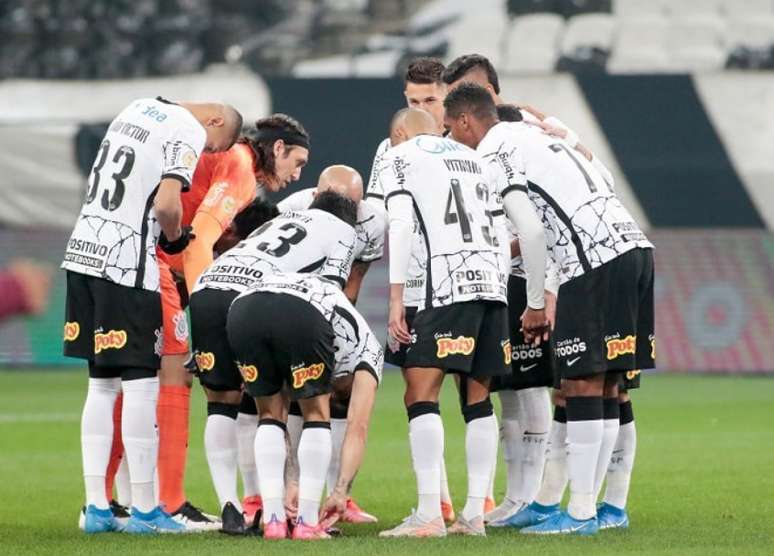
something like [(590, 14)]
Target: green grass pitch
[(703, 482)]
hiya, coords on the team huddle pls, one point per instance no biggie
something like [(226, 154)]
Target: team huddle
[(513, 266)]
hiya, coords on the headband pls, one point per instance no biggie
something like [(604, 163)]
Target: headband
[(271, 134)]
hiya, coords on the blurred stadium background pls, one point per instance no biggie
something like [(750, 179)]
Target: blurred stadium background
[(677, 98)]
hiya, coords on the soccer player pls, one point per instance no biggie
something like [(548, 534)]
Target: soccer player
[(315, 336), (438, 204), (524, 392), (524, 422), (320, 240), (424, 89), (604, 319), (113, 309), (370, 230), (223, 184)]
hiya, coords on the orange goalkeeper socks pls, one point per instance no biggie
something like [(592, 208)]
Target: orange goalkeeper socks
[(172, 415)]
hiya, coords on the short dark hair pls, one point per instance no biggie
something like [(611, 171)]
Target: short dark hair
[(469, 97), (337, 204), (264, 148), (464, 64), (424, 71), (257, 213), (509, 113)]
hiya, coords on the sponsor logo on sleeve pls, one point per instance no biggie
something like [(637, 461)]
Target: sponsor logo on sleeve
[(621, 346), (249, 372), (71, 331), (304, 374), (113, 339), (215, 193), (206, 361), (181, 326), (229, 205), (179, 155), (461, 345)]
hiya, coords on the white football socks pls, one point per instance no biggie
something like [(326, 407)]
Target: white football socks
[(426, 438), (585, 429), (247, 426), (619, 472), (338, 431), (610, 425), (97, 437), (510, 437), (480, 456), (123, 484), (445, 494), (220, 447), (141, 439), (555, 472), (535, 421), (314, 455), (270, 454)]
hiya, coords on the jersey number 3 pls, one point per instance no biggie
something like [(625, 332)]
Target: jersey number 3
[(462, 217), (125, 157)]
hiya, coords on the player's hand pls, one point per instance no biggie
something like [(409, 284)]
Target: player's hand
[(397, 326), (534, 325), (177, 245), (333, 508), (291, 499), (550, 309)]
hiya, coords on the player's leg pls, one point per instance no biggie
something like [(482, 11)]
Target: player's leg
[(612, 512), (314, 455), (222, 383), (535, 418), (611, 424), (395, 354), (270, 457), (510, 440), (247, 426), (426, 439)]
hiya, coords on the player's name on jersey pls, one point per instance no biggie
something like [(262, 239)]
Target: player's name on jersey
[(133, 131), (457, 165)]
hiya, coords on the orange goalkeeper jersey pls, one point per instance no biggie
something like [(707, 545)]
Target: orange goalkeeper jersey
[(223, 184)]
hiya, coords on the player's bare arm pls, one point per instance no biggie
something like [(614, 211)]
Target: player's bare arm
[(168, 208), (355, 280)]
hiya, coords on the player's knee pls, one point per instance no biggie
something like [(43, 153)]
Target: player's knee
[(232, 397), (417, 409), (587, 386), (478, 410)]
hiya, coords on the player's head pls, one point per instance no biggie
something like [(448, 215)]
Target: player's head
[(281, 147), (337, 204), (424, 87), (473, 68), (509, 113), (470, 113), (343, 180), (407, 123), (257, 213), (221, 122)]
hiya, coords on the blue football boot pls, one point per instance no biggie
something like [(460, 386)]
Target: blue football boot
[(610, 517), (532, 514), (563, 523), (99, 521), (152, 522)]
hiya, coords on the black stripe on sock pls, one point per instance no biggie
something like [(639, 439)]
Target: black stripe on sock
[(229, 410), (274, 422), (317, 425), (418, 409), (610, 408), (626, 413), (560, 414), (294, 409), (584, 408), (478, 410)]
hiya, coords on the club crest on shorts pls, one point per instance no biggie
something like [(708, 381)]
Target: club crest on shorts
[(249, 372), (507, 356), (113, 339), (305, 374), (206, 361), (621, 346), (71, 331), (461, 345)]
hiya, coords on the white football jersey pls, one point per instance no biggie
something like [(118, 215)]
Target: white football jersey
[(354, 344), (369, 229), (454, 229), (116, 232), (298, 241), (586, 224)]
